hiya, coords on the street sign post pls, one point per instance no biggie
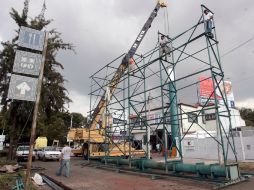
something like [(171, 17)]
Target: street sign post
[(29, 88), (22, 88), (27, 63), (30, 38), (35, 114)]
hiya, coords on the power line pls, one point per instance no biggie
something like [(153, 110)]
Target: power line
[(231, 50), (240, 45)]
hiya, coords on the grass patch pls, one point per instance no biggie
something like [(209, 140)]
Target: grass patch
[(4, 161), (8, 181)]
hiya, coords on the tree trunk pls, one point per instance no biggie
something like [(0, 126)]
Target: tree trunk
[(13, 134)]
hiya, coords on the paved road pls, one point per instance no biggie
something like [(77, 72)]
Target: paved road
[(90, 178)]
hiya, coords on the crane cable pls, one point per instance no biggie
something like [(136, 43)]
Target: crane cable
[(166, 22)]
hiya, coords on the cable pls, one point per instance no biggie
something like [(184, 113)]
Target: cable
[(167, 17), (240, 45), (231, 50)]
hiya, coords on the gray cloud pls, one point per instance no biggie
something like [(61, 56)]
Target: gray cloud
[(101, 30)]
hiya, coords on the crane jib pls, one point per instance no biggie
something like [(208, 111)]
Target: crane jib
[(143, 31)]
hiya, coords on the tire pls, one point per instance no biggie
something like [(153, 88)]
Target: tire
[(44, 159)]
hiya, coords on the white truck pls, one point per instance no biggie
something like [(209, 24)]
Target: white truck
[(22, 153)]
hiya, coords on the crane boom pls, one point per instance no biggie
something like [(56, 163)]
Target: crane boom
[(98, 111)]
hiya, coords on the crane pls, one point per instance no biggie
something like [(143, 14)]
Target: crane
[(90, 136), (100, 108)]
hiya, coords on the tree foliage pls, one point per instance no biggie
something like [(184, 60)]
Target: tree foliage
[(54, 96), (248, 115)]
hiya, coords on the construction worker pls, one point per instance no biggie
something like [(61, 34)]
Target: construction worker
[(164, 48), (65, 161), (208, 17), (158, 147)]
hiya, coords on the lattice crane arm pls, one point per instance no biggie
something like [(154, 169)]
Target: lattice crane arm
[(99, 110)]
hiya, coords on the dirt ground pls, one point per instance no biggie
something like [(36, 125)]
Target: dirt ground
[(90, 178)]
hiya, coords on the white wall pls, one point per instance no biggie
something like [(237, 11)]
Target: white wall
[(207, 148)]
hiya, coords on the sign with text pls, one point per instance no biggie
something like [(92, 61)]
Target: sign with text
[(22, 88), (27, 63), (226, 90), (31, 38), (206, 90)]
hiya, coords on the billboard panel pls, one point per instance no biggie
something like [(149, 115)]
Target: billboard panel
[(226, 89), (206, 90)]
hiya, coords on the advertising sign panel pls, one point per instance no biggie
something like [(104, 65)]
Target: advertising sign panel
[(226, 89), (206, 90)]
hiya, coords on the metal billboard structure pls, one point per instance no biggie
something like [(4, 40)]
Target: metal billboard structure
[(148, 96)]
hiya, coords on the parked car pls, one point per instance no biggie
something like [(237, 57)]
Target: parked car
[(49, 153), (22, 153)]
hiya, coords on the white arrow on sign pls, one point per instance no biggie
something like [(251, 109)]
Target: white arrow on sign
[(23, 87)]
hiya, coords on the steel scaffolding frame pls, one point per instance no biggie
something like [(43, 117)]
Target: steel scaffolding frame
[(156, 79)]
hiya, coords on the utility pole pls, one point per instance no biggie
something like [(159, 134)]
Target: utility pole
[(71, 120), (35, 114)]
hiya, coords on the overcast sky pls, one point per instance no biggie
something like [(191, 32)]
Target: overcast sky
[(103, 29)]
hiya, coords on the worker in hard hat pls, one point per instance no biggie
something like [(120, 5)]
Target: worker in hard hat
[(208, 17), (164, 46)]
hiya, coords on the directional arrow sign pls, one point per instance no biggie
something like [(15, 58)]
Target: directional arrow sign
[(22, 88), (27, 63)]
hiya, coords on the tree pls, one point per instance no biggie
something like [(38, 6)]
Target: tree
[(78, 120), (248, 115), (59, 124), (54, 94)]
